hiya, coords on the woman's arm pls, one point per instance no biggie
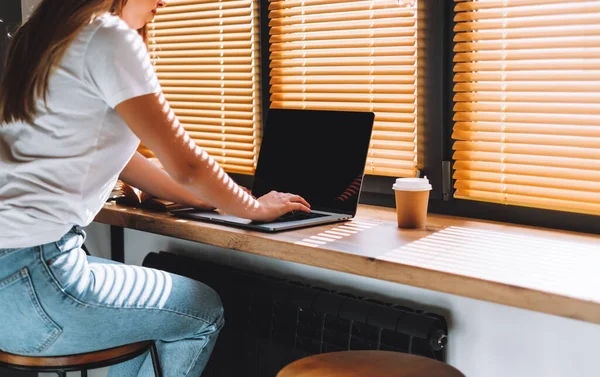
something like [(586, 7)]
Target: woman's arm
[(146, 176), (152, 120)]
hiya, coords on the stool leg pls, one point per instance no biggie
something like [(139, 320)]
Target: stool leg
[(84, 373), (155, 361), (61, 374)]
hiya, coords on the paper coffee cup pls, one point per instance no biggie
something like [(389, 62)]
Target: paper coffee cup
[(412, 199)]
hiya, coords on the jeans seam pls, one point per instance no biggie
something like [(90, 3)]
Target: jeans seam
[(193, 363), (56, 330), (4, 252), (12, 279), (105, 306)]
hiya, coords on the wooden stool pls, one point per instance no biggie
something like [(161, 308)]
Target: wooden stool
[(368, 364), (81, 362)]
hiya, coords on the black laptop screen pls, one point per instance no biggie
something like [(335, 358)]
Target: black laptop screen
[(317, 154)]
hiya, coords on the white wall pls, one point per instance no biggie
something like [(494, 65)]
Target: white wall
[(485, 339)]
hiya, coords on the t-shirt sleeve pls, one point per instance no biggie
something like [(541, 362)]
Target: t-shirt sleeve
[(117, 65)]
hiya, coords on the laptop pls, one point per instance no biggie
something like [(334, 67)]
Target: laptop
[(317, 154)]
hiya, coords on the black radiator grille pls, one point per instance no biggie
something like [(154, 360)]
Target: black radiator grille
[(271, 322)]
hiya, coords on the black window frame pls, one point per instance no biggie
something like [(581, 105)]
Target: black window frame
[(435, 111), (10, 20)]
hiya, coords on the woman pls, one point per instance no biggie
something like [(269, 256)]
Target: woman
[(78, 95)]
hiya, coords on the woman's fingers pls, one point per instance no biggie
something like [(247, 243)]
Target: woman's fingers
[(274, 204), (298, 198), (295, 206), (291, 198)]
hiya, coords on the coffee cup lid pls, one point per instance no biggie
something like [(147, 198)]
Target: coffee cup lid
[(412, 184)]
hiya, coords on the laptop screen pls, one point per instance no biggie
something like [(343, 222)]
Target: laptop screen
[(317, 154)]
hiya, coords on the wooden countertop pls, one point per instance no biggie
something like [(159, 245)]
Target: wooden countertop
[(554, 272)]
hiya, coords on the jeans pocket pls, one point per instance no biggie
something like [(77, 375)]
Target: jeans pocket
[(25, 328)]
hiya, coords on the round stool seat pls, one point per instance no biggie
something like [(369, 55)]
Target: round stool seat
[(368, 364), (96, 359)]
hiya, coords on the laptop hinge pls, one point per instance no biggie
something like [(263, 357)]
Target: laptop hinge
[(447, 190)]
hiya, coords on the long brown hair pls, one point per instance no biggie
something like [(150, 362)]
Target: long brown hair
[(39, 46)]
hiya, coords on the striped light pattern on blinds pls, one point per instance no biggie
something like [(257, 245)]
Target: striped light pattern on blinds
[(206, 55), (527, 103), (351, 55)]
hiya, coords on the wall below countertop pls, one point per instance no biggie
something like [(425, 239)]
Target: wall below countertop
[(484, 340)]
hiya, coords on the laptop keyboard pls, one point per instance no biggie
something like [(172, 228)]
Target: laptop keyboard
[(297, 215)]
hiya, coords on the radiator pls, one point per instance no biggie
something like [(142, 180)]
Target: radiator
[(270, 322)]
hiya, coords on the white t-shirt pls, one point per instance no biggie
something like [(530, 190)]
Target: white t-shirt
[(58, 171)]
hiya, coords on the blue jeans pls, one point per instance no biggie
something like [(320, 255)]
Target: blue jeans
[(54, 300)]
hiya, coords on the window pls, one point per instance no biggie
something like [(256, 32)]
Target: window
[(527, 103), (524, 91), (351, 55), (207, 58)]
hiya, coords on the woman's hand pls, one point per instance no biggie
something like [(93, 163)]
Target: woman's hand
[(275, 204)]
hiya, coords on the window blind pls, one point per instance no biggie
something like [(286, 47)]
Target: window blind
[(206, 56), (351, 55), (527, 103)]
